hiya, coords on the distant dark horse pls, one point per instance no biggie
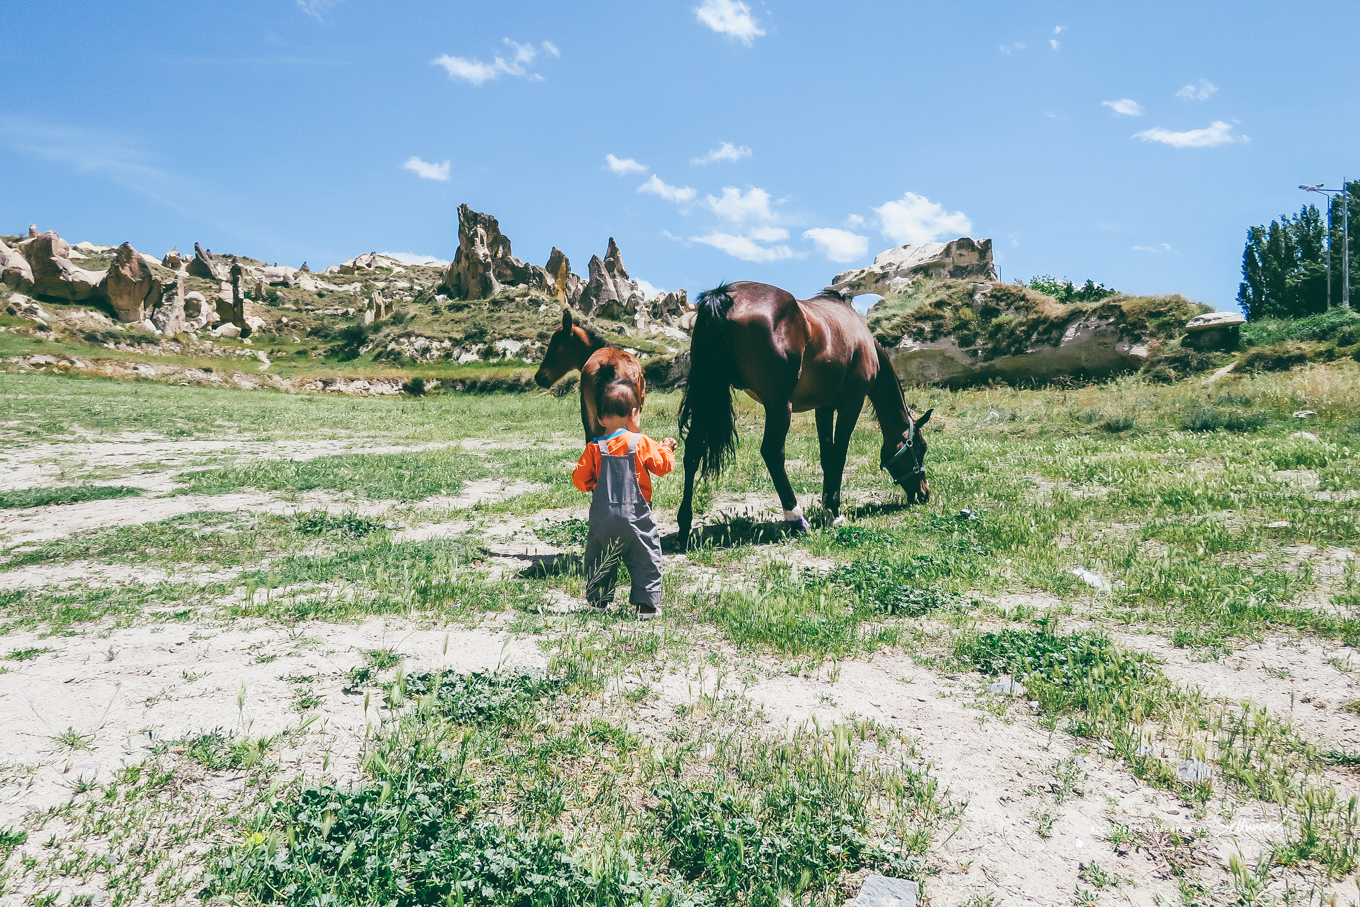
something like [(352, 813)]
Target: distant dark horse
[(576, 346), (791, 357)]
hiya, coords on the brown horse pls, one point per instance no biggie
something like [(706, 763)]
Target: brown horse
[(792, 356), (577, 346)]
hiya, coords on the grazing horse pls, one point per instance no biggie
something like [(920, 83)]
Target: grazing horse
[(576, 346), (792, 356)]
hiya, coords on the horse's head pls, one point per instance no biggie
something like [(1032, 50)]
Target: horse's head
[(905, 459), (567, 350)]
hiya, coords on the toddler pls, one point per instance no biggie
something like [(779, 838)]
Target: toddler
[(615, 468)]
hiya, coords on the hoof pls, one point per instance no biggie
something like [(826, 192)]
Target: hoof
[(797, 527), (840, 520)]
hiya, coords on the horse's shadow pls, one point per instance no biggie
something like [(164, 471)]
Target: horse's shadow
[(542, 566), (731, 533), (860, 511)]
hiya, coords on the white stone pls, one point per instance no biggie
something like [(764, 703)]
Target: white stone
[(1210, 320), (895, 269)]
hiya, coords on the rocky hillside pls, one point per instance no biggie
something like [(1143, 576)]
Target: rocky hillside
[(365, 326)]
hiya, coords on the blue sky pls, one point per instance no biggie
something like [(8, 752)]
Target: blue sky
[(715, 140)]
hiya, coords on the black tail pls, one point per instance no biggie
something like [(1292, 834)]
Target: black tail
[(708, 422)]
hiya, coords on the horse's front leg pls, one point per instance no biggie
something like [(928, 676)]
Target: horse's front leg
[(826, 427), (833, 462), (777, 421), (685, 516)]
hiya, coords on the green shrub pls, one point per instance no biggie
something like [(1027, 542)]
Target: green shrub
[(483, 699), (1209, 418), (1280, 357)]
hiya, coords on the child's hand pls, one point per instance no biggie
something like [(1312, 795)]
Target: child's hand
[(669, 444)]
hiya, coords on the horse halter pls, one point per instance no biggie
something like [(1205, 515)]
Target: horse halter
[(893, 464)]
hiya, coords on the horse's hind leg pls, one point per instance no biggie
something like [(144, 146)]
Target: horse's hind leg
[(833, 460), (826, 434), (777, 421)]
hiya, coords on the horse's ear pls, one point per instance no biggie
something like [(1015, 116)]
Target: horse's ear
[(920, 423), (566, 319)]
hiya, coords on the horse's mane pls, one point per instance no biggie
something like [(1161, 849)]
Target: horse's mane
[(596, 339), (839, 295)]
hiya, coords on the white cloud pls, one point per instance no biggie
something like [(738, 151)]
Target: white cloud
[(768, 234), (1216, 133), (1159, 247), (677, 194), (1053, 41), (1125, 107), (316, 8), (648, 291), (729, 17), (1012, 48), (623, 166), (838, 245), (916, 219), (744, 247), (426, 170), (738, 206), (411, 258), (1198, 92), (855, 220), (724, 152), (477, 72)]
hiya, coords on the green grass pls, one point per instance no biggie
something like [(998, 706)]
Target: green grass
[(70, 494)]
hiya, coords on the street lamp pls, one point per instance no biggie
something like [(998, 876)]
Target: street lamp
[(1345, 240)]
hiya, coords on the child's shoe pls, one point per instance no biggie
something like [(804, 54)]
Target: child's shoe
[(599, 607), (647, 612)]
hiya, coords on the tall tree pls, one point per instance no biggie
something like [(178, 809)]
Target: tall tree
[(1284, 265)]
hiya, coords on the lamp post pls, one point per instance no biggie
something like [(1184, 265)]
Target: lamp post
[(1345, 240)]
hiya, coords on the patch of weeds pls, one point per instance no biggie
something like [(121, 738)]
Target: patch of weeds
[(1118, 423), (321, 522), (69, 494), (384, 659), (26, 654), (884, 585), (483, 699), (1068, 776), (1352, 706), (358, 677), (10, 838), (1092, 874), (305, 701), (1208, 419), (1044, 820), (858, 536), (218, 751), (73, 740), (564, 533)]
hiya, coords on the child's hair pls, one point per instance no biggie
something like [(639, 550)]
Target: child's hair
[(617, 398)]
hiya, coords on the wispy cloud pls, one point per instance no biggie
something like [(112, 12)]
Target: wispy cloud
[(768, 234), (1125, 107), (426, 170), (916, 219), (622, 166), (737, 206), (855, 220), (1053, 41), (1014, 47), (1159, 247), (724, 152), (317, 9), (477, 72), (838, 245), (678, 194), (648, 290), (744, 247), (1200, 92), (415, 258), (124, 161), (1216, 133), (730, 17)]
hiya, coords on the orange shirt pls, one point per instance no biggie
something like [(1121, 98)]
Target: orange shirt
[(651, 458)]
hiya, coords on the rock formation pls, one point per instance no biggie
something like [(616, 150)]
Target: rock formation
[(1214, 331), (376, 308), (168, 315), (964, 333), (172, 259), (206, 265), (484, 263), (895, 269), (198, 313), (15, 271), (566, 285), (53, 274), (610, 292), (130, 285)]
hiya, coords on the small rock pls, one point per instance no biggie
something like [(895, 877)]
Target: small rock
[(1279, 524), (1094, 580), (968, 515), (1305, 413), (1193, 770), (884, 891), (1007, 687), (1304, 435), (227, 330)]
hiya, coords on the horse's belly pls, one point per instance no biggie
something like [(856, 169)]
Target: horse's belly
[(752, 394)]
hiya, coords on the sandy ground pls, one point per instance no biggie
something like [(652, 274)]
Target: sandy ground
[(117, 692)]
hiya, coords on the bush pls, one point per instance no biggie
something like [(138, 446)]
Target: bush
[(1209, 418), (1067, 292), (1280, 357), (1117, 424), (414, 387)]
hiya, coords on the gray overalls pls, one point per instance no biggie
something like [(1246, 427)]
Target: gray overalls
[(619, 511)]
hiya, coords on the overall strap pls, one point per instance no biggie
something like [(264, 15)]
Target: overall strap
[(632, 443), (604, 447)]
